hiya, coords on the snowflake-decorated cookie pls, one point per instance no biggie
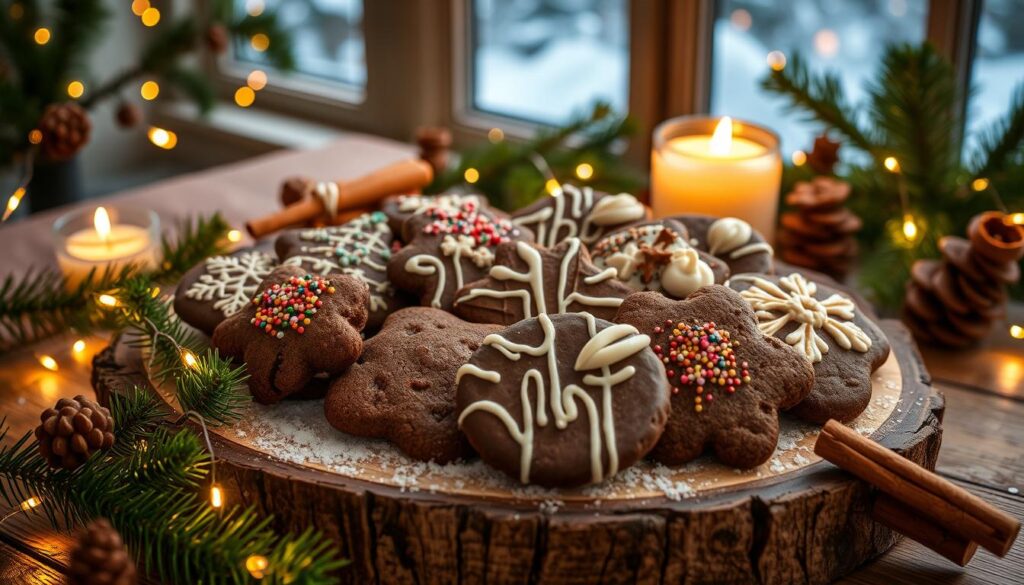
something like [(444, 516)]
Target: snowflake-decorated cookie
[(360, 248), (220, 286), (574, 212), (527, 280), (563, 400), (828, 329), (448, 249), (403, 386), (297, 325), (730, 239), (656, 256), (728, 381)]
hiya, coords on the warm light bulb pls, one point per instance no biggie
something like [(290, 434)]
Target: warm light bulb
[(76, 89), (1016, 218), (799, 158), (495, 135), (471, 175), (584, 171), (979, 184), (776, 60), (189, 359), (139, 6), (78, 346), (101, 221), (234, 236), (891, 164), (216, 496), (254, 7), (721, 140), (30, 503), (257, 566), (245, 96), (150, 16), (910, 230), (1016, 331), (149, 90), (41, 36), (257, 80), (13, 202), (552, 186), (35, 136), (165, 139), (107, 300), (49, 363), (259, 42)]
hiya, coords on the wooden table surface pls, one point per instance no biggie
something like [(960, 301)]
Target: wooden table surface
[(983, 439)]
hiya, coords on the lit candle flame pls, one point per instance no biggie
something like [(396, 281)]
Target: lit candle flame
[(101, 221), (721, 140)]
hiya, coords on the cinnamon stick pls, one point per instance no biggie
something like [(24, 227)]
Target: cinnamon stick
[(948, 506), (889, 511)]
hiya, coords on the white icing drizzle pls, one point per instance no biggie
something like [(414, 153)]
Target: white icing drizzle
[(730, 235), (426, 265), (533, 296), (794, 300), (604, 349), (231, 281), (420, 203), (329, 194), (469, 369), (458, 247), (570, 205), (685, 273)]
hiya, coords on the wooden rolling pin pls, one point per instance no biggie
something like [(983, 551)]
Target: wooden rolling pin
[(337, 197)]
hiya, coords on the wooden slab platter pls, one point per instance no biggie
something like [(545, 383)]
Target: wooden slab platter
[(795, 519)]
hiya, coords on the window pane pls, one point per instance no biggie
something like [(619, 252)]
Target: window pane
[(998, 62), (327, 37), (543, 60), (844, 36)]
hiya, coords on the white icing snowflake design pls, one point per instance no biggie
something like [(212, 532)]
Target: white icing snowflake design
[(231, 281), (793, 300)]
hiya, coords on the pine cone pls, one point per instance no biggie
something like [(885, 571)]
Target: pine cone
[(128, 115), (824, 155), (217, 38), (99, 557), (820, 233), (955, 301), (65, 129), (73, 430)]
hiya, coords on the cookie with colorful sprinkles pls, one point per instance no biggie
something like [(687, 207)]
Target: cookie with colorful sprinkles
[(447, 249), (298, 326), (727, 380)]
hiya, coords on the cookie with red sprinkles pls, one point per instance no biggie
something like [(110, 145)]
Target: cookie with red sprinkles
[(728, 381), (298, 326)]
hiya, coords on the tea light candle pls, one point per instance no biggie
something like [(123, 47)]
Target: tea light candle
[(105, 245), (716, 167)]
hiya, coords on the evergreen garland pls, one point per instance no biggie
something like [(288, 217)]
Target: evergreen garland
[(149, 490), (912, 113)]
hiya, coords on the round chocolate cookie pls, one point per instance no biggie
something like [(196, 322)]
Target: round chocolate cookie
[(574, 212), (656, 256), (220, 286), (732, 240), (403, 386), (825, 327), (563, 400)]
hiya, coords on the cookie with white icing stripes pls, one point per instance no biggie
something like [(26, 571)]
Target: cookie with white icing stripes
[(574, 212), (527, 280), (656, 256), (828, 329), (360, 248), (448, 249), (220, 286), (728, 381), (730, 239), (399, 208), (563, 400)]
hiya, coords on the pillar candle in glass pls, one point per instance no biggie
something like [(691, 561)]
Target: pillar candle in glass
[(105, 239), (716, 167)]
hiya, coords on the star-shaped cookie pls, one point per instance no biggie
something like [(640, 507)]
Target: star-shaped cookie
[(728, 380), (527, 280)]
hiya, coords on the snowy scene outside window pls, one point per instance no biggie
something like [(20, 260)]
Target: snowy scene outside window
[(543, 60), (844, 36), (998, 62)]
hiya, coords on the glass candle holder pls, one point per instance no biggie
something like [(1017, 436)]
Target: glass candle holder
[(105, 239), (716, 166)]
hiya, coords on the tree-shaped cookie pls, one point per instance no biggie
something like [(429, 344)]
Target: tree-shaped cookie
[(527, 280), (728, 380), (446, 249), (297, 325), (572, 212), (824, 326), (403, 386), (562, 400)]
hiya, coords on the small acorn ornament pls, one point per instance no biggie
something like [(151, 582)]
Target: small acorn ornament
[(73, 430), (99, 557), (216, 38), (65, 129), (128, 115)]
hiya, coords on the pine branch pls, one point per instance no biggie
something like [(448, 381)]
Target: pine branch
[(193, 84), (136, 414), (214, 387), (78, 24), (279, 52), (195, 240), (1000, 145)]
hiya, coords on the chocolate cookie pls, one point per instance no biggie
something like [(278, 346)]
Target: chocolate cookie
[(732, 240), (825, 327), (728, 381), (399, 208), (297, 325), (220, 286), (447, 249), (563, 400), (572, 212), (359, 248), (656, 256), (527, 280), (403, 386)]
